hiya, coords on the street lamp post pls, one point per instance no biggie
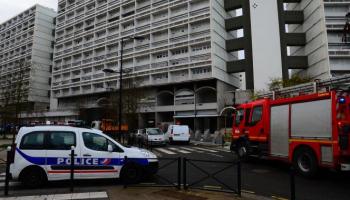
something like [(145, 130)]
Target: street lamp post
[(121, 80)]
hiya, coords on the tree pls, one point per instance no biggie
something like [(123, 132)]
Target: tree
[(14, 95), (278, 83)]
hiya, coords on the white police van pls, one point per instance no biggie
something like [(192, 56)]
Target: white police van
[(42, 153)]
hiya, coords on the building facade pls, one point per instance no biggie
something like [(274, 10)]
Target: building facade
[(180, 63), (26, 47), (337, 16)]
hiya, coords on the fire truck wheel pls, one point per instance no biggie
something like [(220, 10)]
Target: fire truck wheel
[(305, 161)]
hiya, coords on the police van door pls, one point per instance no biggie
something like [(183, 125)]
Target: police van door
[(58, 144), (98, 160)]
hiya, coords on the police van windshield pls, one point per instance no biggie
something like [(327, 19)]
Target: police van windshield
[(154, 131), (239, 116)]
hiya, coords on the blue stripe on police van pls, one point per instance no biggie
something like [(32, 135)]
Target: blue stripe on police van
[(81, 161)]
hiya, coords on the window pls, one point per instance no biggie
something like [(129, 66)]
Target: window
[(247, 115), (239, 116), (61, 140), (256, 115), (34, 140), (98, 143)]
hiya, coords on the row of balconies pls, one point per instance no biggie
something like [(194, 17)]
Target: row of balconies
[(61, 19), (17, 33), (110, 53), (19, 19), (94, 23), (66, 65), (164, 28), (16, 46), (184, 75), (27, 54), (139, 66), (64, 8), (74, 68), (162, 40)]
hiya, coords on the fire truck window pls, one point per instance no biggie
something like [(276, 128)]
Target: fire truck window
[(257, 114), (239, 116), (247, 115)]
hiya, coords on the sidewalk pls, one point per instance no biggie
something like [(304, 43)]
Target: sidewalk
[(151, 193)]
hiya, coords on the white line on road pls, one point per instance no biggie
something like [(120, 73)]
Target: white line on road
[(179, 150), (70, 196), (189, 149), (213, 151), (212, 154), (165, 151)]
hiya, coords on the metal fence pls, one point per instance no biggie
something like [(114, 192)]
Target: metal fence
[(208, 175), (189, 174)]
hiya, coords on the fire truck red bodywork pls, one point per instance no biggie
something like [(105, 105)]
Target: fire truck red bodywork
[(278, 125)]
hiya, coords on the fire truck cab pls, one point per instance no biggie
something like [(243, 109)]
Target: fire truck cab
[(309, 131)]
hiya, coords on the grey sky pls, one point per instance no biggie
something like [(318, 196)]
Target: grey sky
[(10, 8)]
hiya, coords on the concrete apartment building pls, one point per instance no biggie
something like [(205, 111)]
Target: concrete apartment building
[(336, 12), (180, 63), (28, 38)]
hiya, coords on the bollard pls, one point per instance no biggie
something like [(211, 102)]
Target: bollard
[(179, 173), (125, 161), (184, 173), (239, 178), (72, 169), (7, 178), (292, 183)]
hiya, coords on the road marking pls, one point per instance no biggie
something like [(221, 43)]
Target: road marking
[(165, 151), (193, 150), (157, 153), (213, 151), (248, 191), (212, 187), (2, 178), (279, 198), (212, 154), (3, 174), (179, 150), (71, 196)]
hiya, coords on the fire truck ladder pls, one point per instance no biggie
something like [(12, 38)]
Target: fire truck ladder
[(341, 83)]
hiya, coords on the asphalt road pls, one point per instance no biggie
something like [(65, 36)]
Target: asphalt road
[(262, 177)]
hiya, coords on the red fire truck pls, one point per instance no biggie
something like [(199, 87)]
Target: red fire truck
[(310, 131)]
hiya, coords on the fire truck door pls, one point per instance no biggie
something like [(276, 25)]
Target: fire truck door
[(279, 124), (256, 124)]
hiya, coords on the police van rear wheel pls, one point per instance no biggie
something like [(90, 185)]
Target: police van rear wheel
[(131, 174), (33, 178)]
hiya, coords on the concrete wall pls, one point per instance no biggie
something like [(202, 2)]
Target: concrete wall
[(219, 35), (41, 55), (316, 38)]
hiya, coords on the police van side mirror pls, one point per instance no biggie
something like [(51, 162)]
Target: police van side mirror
[(110, 148)]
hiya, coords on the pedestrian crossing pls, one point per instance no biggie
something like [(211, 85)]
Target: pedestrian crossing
[(176, 150)]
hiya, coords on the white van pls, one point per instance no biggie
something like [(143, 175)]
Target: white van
[(178, 133), (43, 153)]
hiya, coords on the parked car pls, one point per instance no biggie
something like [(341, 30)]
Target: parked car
[(178, 133), (43, 153), (154, 136)]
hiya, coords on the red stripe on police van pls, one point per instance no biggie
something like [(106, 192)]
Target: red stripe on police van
[(80, 171)]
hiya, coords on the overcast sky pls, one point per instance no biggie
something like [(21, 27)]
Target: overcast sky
[(10, 8)]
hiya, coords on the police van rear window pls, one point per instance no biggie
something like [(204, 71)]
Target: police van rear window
[(52, 140), (34, 140)]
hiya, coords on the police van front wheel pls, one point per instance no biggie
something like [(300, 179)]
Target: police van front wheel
[(33, 177), (131, 174)]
